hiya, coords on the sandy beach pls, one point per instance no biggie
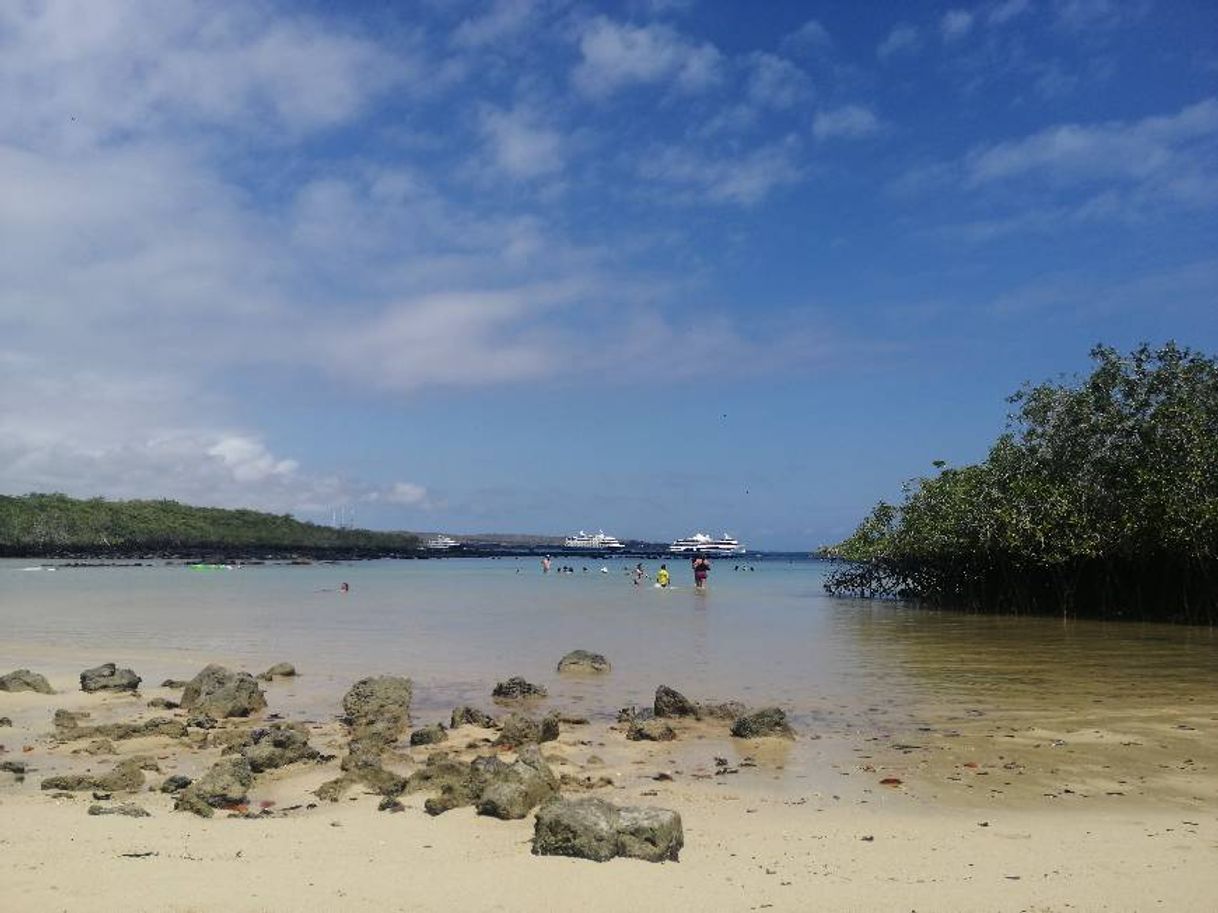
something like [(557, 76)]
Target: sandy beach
[(1031, 819)]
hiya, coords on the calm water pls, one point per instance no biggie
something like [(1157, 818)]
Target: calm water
[(458, 625)]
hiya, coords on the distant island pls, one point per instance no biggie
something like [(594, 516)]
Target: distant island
[(54, 525), (1100, 501)]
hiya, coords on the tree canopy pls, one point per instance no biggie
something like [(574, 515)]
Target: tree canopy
[(54, 524), (1100, 499)]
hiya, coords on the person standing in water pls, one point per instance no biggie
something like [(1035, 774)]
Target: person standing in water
[(662, 576), (701, 568), (638, 573), (545, 564)]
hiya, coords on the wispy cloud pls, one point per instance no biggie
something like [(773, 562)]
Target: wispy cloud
[(955, 24), (617, 56), (775, 82), (519, 145), (902, 39), (849, 122), (742, 178)]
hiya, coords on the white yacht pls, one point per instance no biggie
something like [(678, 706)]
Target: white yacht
[(701, 542), (441, 542), (597, 542)]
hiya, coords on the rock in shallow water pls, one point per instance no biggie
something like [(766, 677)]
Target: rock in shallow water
[(516, 689), (471, 716), (221, 693), (670, 702), (650, 731), (583, 661), (25, 680), (598, 830), (279, 670), (770, 721), (108, 677)]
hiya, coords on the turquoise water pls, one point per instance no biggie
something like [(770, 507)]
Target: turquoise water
[(769, 636)]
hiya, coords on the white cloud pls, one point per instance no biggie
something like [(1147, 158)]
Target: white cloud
[(955, 24), (742, 179), (504, 19), (1155, 147), (1001, 13), (519, 146), (902, 39), (775, 82), (849, 122), (129, 67), (248, 459), (618, 56), (809, 35), (407, 494), (1093, 15)]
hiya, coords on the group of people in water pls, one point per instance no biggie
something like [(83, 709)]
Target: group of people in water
[(699, 564)]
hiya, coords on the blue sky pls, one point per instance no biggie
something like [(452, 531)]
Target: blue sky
[(533, 265)]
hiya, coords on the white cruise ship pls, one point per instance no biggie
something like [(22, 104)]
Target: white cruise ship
[(598, 542), (441, 542), (701, 542)]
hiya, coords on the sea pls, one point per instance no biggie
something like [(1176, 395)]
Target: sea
[(763, 633)]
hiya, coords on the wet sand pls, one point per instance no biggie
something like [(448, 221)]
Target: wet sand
[(1094, 806)]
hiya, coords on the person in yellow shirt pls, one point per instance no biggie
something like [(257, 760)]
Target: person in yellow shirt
[(662, 575)]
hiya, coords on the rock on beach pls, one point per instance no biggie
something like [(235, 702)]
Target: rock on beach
[(672, 703), (25, 680), (592, 828), (221, 693), (226, 783), (108, 677), (770, 721), (279, 670)]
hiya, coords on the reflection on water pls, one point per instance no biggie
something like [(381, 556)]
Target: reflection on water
[(458, 625)]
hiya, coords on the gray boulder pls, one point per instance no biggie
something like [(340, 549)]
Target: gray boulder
[(517, 729), (68, 728), (650, 731), (672, 703), (594, 829), (221, 693), (17, 768), (226, 784), (5, 722), (517, 689), (470, 716), (429, 735), (582, 661), (278, 745), (727, 710), (378, 709), (25, 680), (455, 784), (108, 677), (770, 721), (175, 784), (279, 670), (514, 792)]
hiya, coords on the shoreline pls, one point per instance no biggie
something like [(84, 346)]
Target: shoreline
[(759, 839)]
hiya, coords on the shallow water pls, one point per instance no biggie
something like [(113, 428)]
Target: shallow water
[(456, 626)]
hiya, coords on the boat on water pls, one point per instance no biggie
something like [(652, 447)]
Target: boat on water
[(595, 542), (701, 543), (441, 542)]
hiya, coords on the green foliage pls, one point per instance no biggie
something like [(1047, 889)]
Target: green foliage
[(1101, 499), (48, 524)]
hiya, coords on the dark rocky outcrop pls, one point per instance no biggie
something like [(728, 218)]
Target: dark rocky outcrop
[(127, 776), (672, 703), (727, 710), (770, 721), (277, 745), (429, 735), (174, 684), (226, 784), (584, 662), (633, 714), (175, 784), (517, 729), (108, 677), (161, 703), (17, 768), (127, 809), (513, 792), (650, 731), (279, 670), (222, 693), (517, 689), (455, 784), (5, 722), (591, 828), (471, 716), (25, 680)]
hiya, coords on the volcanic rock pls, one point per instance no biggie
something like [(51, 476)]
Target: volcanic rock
[(25, 680), (582, 661), (222, 693), (591, 828)]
